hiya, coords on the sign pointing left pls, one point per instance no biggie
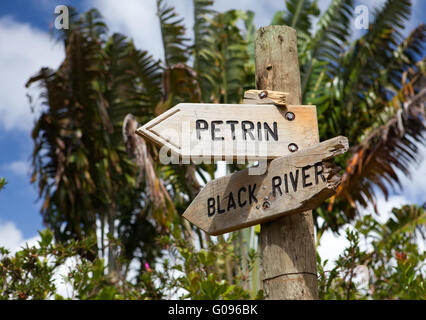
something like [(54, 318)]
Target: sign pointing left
[(293, 184), (233, 131)]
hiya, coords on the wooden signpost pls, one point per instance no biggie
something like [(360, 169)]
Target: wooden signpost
[(273, 125), (293, 184)]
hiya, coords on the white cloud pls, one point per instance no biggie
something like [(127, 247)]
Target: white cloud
[(12, 239), (264, 10), (414, 185), (384, 207), (63, 287), (24, 50), (331, 246), (18, 167), (10, 236), (138, 19), (134, 18)]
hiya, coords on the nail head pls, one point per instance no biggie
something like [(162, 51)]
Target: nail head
[(263, 94), (293, 147), (290, 116)]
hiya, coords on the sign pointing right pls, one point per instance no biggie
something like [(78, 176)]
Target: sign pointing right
[(292, 184)]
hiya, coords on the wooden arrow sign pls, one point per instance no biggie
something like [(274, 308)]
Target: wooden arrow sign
[(292, 184), (233, 131)]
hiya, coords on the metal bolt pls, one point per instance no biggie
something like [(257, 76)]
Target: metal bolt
[(263, 94), (290, 116), (293, 147)]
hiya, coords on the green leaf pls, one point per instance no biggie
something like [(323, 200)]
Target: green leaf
[(46, 238), (173, 34)]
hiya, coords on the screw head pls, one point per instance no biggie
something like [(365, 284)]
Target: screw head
[(290, 116), (263, 94), (293, 147)]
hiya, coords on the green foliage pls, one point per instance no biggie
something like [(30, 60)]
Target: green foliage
[(202, 11), (30, 272), (173, 34), (226, 56), (198, 274), (320, 52), (393, 259), (298, 15), (2, 183), (364, 91), (339, 283), (202, 52)]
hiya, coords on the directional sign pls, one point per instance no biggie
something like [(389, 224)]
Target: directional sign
[(232, 131), (292, 184)]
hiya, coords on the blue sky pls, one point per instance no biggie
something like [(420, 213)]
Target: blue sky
[(25, 46)]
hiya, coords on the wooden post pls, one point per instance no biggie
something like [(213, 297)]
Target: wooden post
[(288, 244)]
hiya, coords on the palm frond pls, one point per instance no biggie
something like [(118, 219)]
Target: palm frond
[(250, 35), (328, 42), (163, 208), (90, 23), (147, 73), (60, 140), (173, 34), (180, 84), (389, 147), (408, 221), (404, 56), (228, 53), (202, 10), (369, 55), (202, 52), (298, 15)]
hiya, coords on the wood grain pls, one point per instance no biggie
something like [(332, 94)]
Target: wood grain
[(177, 130), (277, 98)]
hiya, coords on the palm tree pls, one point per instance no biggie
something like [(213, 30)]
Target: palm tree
[(87, 180), (365, 90)]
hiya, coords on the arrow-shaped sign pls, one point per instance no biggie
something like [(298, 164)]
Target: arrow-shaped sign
[(292, 184), (233, 131)]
